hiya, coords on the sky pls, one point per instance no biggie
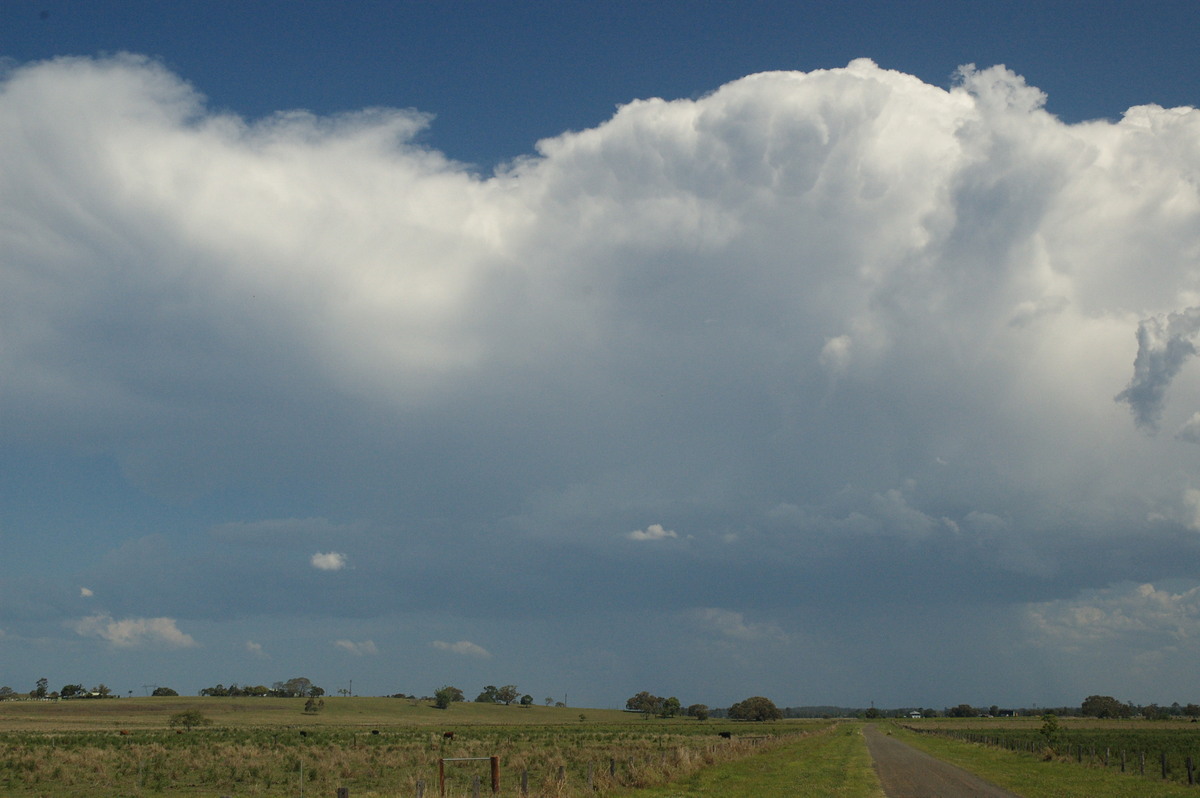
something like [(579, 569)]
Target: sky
[(841, 353)]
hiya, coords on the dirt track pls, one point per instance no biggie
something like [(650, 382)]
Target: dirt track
[(909, 773)]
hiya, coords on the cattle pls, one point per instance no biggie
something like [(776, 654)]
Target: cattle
[(726, 735), (447, 735), (124, 733)]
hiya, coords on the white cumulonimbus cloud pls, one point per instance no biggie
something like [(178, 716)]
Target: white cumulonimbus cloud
[(134, 632), (328, 561), (852, 322), (464, 647)]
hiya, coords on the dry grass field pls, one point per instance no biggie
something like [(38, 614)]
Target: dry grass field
[(371, 746)]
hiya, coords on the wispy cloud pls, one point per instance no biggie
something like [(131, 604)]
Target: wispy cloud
[(357, 649), (329, 561), (464, 647), (134, 632)]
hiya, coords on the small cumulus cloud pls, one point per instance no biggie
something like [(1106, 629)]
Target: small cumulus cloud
[(464, 647), (256, 650), (134, 632), (85, 592), (357, 649), (329, 561), (652, 532)]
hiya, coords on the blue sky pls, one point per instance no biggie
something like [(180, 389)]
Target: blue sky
[(707, 349)]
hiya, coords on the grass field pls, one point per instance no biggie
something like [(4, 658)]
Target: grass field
[(374, 747), (1046, 774)]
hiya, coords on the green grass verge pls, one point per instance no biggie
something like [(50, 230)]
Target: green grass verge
[(833, 764), (1033, 777)]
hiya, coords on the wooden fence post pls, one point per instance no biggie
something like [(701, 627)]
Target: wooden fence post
[(1142, 763), (524, 782), (441, 777), (1162, 756), (1191, 775), (1122, 760), (343, 792), (495, 775), (475, 786), (420, 788)]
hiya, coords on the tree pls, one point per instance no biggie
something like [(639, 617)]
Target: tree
[(670, 708), (527, 700), (444, 696), (163, 691), (962, 711), (508, 694), (189, 719), (1049, 730), (1103, 706), (645, 702), (70, 690), (42, 687), (488, 695), (697, 711), (102, 690), (7, 692), (755, 708), (313, 705)]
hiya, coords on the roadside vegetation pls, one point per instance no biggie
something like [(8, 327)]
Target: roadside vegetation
[(828, 763)]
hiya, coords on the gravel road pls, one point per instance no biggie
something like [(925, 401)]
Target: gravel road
[(909, 773)]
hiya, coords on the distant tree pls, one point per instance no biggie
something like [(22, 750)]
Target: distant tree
[(670, 708), (217, 691), (1104, 706), (645, 702), (313, 705), (962, 711), (550, 701), (298, 687), (488, 695), (70, 690), (508, 694), (697, 711), (1192, 710), (872, 713), (1154, 712), (102, 690), (929, 713), (444, 696), (755, 708), (163, 691), (7, 692), (527, 700), (994, 711), (189, 719), (42, 687)]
